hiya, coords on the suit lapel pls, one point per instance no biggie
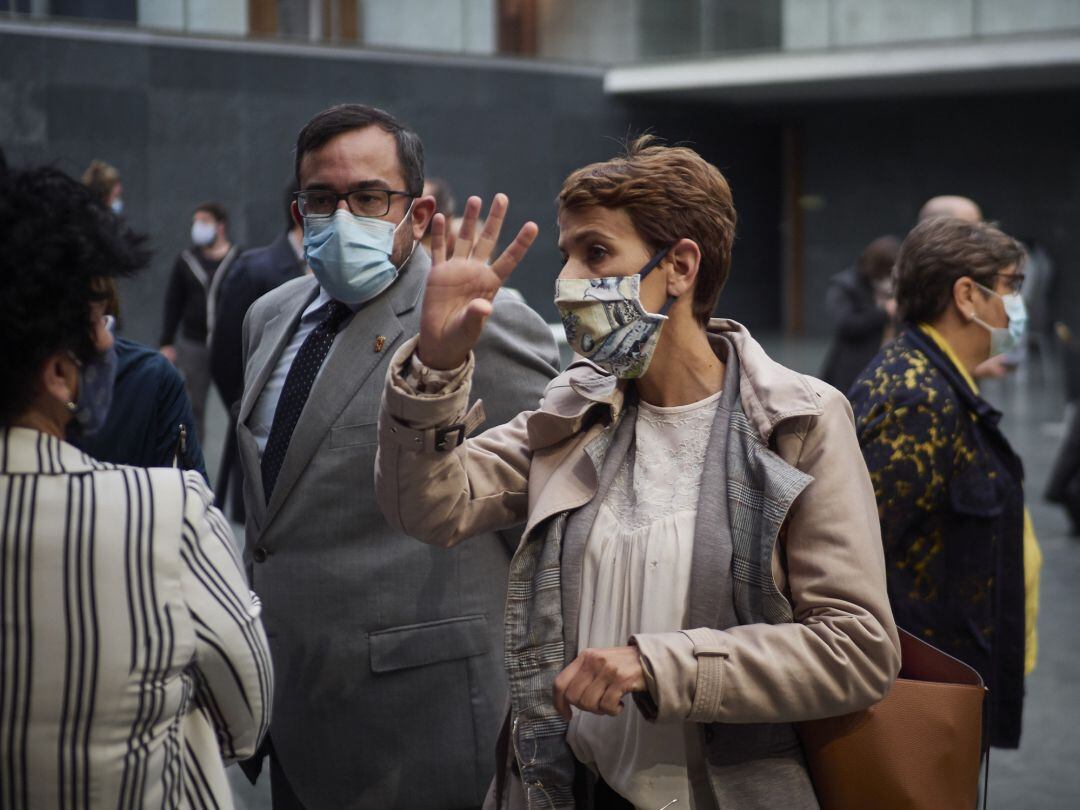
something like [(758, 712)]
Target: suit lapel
[(354, 356), (275, 337)]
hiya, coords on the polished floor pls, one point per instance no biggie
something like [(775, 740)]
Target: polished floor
[(1042, 774)]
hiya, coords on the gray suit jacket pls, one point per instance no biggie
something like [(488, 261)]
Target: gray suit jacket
[(387, 652)]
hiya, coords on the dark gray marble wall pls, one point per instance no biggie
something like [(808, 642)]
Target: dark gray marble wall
[(186, 122), (870, 166)]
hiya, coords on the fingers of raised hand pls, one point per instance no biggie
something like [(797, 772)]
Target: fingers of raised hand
[(489, 236), (476, 314), (464, 244), (438, 239), (515, 252)]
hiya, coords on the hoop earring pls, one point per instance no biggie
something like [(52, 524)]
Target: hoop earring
[(71, 406)]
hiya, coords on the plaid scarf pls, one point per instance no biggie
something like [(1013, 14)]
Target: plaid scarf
[(761, 488)]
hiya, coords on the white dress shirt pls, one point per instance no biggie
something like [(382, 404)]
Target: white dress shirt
[(262, 414)]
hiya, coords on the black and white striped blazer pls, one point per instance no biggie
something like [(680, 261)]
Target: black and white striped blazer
[(133, 662)]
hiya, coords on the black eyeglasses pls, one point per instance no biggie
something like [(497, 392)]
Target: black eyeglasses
[(363, 202)]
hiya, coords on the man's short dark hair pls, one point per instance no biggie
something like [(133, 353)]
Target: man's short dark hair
[(346, 117), (60, 248), (214, 209), (939, 251)]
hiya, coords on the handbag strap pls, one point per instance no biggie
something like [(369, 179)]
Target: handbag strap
[(986, 750)]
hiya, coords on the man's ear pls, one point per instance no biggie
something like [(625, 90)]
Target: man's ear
[(686, 258), (299, 220), (422, 212)]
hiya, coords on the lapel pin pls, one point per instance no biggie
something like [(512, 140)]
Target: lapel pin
[(380, 342)]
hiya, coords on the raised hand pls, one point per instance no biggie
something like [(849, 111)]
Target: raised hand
[(457, 300)]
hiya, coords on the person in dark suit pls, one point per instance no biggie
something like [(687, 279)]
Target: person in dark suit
[(256, 272), (861, 308), (389, 652)]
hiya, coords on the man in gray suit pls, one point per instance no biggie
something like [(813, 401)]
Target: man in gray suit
[(387, 652)]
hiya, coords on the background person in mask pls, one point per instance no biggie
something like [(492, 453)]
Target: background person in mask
[(150, 421), (134, 662), (654, 478), (960, 553), (388, 653), (191, 301), (104, 181), (861, 308)]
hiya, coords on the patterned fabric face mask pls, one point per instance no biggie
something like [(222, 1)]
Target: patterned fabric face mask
[(606, 323)]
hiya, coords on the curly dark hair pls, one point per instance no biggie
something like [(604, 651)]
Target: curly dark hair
[(939, 251), (60, 246)]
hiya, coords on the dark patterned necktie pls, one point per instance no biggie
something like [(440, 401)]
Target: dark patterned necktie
[(305, 367)]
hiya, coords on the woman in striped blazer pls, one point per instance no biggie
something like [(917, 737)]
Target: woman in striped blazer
[(133, 662)]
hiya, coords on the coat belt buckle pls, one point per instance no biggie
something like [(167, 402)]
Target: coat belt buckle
[(443, 437)]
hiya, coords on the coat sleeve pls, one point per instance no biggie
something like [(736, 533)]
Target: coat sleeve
[(841, 652), (226, 344), (515, 360), (232, 671), (174, 409), (481, 485), (175, 295), (443, 497)]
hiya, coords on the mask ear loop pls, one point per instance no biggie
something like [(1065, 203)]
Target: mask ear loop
[(648, 268), (412, 250)]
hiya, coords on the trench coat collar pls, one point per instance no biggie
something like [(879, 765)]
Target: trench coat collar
[(770, 393)]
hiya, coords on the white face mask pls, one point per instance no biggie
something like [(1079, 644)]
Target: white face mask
[(203, 233), (1004, 339)]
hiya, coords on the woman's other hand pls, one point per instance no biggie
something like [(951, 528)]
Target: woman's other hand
[(597, 680)]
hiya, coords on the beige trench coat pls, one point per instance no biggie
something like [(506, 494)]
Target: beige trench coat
[(841, 653)]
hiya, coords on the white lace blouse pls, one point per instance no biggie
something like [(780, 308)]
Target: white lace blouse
[(636, 579)]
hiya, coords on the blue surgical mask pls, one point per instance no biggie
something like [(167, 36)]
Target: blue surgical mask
[(1005, 339), (96, 382), (350, 255), (117, 206)]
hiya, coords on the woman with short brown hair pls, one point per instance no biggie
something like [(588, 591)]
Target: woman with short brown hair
[(700, 529), (949, 486)]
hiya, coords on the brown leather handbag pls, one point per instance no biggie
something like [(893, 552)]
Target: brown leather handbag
[(917, 749)]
